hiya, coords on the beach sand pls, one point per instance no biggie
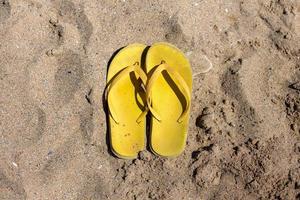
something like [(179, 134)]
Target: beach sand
[(243, 140)]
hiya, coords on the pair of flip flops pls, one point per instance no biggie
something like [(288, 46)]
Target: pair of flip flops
[(162, 87)]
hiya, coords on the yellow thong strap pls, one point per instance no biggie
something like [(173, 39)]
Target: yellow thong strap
[(182, 86), (120, 75)]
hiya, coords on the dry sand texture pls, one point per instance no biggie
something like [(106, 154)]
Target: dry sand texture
[(244, 135)]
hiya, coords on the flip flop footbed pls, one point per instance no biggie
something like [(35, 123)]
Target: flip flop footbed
[(168, 136), (127, 136)]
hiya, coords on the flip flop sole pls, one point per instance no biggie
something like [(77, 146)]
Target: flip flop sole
[(127, 137), (168, 137)]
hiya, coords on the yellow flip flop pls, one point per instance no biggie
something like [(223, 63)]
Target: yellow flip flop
[(168, 94), (126, 102)]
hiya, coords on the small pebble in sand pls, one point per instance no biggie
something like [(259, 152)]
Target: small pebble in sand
[(189, 53), (14, 164), (145, 156), (54, 52), (50, 152)]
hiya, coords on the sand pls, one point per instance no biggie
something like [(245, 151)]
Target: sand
[(244, 138)]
